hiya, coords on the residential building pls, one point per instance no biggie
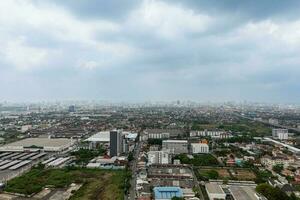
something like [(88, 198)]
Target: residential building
[(277, 160), (158, 135), (283, 136), (273, 121), (26, 128), (212, 134), (159, 157), (199, 148), (162, 133), (279, 133)]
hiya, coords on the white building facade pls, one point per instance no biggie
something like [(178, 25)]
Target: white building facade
[(175, 146), (199, 148), (281, 134), (159, 157), (212, 134)]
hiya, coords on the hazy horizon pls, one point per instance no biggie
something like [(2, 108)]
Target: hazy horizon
[(150, 50)]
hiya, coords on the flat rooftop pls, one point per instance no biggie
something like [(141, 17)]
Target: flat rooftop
[(174, 141), (37, 142), (214, 188), (167, 192), (103, 136), (243, 192)]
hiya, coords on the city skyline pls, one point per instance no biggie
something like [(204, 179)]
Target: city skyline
[(150, 50)]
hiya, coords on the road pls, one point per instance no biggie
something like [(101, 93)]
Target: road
[(197, 184), (133, 167)]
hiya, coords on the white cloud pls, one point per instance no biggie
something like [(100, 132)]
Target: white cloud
[(28, 19), (88, 64), (287, 33), (157, 41), (168, 21), (22, 56), (51, 19)]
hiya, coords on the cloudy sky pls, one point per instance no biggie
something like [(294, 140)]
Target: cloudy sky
[(141, 50)]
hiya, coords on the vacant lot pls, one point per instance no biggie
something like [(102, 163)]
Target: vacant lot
[(223, 173), (97, 184), (227, 173), (243, 174)]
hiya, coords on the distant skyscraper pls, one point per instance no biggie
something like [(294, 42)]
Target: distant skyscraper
[(115, 143), (72, 108)]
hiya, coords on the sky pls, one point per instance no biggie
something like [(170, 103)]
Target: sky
[(150, 50)]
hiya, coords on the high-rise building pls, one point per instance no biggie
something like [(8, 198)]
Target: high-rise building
[(72, 108), (116, 147)]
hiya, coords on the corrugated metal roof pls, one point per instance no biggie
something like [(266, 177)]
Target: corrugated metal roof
[(167, 192)]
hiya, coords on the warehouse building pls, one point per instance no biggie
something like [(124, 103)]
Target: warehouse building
[(103, 138), (214, 191), (244, 193), (167, 193), (98, 139), (175, 146), (39, 144)]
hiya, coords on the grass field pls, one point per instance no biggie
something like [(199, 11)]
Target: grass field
[(97, 184)]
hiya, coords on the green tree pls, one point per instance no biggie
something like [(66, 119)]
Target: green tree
[(155, 141), (277, 168), (213, 174), (262, 176), (177, 198), (271, 193), (130, 156)]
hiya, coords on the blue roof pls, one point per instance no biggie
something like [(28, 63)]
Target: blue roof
[(167, 192)]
